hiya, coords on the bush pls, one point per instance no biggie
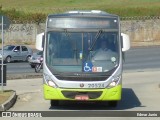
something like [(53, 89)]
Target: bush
[(22, 17)]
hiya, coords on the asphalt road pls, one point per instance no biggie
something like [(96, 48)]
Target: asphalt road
[(19, 67), (136, 59), (142, 58)]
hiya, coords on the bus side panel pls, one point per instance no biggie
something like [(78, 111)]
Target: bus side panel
[(51, 93)]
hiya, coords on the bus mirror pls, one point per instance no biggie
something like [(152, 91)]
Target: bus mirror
[(40, 41), (125, 42)]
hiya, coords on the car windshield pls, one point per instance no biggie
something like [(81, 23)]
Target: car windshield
[(9, 47), (82, 52)]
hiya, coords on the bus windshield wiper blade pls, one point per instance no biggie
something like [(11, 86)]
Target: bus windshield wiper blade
[(97, 36), (66, 33)]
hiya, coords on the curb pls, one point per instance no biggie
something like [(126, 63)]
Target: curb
[(9, 103)]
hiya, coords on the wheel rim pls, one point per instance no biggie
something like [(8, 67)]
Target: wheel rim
[(27, 59), (37, 68), (8, 59)]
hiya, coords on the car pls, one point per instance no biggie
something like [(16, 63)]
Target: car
[(35, 58), (16, 53)]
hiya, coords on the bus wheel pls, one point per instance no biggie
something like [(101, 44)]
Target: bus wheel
[(112, 103), (54, 102)]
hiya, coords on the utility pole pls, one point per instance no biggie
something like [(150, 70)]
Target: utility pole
[(2, 55), (5, 23)]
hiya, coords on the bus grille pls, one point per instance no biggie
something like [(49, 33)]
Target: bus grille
[(72, 94), (77, 78)]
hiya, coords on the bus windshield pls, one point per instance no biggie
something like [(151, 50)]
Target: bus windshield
[(82, 51)]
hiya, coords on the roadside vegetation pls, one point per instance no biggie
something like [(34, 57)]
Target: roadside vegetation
[(37, 10)]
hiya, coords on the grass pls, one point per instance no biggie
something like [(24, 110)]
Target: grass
[(5, 95), (36, 11), (119, 7)]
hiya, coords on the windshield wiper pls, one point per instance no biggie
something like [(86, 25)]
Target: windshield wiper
[(96, 37), (66, 32)]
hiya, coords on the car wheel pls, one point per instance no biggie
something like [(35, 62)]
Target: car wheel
[(8, 59), (28, 57)]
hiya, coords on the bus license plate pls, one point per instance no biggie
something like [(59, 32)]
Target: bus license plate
[(82, 97)]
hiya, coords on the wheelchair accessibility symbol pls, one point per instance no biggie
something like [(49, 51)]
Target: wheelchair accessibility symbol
[(87, 67)]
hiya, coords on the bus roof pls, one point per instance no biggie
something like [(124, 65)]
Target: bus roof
[(89, 13)]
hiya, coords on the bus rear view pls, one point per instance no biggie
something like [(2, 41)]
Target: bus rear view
[(83, 55)]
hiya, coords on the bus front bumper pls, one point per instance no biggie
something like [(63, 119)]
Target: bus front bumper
[(106, 94)]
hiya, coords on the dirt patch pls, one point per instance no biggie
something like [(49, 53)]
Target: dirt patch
[(24, 76), (5, 95), (144, 44)]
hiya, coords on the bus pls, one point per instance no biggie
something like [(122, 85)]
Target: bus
[(75, 66)]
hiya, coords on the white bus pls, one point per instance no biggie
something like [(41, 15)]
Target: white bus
[(83, 57)]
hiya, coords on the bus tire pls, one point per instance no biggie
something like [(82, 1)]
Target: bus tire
[(54, 102), (112, 103)]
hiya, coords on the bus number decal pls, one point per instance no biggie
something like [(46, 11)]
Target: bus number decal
[(96, 85)]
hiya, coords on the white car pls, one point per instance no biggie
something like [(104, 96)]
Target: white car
[(16, 53)]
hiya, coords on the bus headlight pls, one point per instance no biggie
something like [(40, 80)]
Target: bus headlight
[(115, 81), (49, 81)]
